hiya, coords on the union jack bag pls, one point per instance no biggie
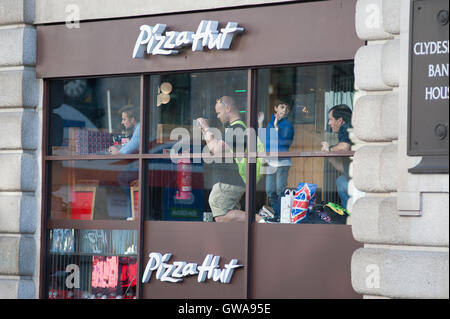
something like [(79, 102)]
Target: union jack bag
[(304, 200)]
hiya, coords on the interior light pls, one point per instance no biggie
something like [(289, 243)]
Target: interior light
[(165, 98), (166, 87)]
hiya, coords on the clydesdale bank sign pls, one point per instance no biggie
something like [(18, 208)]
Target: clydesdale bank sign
[(175, 272), (156, 40)]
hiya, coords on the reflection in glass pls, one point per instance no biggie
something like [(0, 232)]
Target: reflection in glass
[(92, 264), (197, 113), (177, 100), (309, 92), (96, 189), (278, 136), (315, 180), (90, 115), (295, 114), (182, 190)]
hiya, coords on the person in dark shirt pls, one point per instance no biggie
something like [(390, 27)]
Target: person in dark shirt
[(339, 119), (225, 195)]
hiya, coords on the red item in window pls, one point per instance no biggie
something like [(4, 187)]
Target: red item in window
[(82, 204), (184, 179), (128, 277), (105, 271)]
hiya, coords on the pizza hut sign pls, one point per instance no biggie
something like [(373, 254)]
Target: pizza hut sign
[(178, 270), (156, 40)]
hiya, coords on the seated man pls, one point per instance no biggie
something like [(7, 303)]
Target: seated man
[(339, 119), (130, 122), (130, 173)]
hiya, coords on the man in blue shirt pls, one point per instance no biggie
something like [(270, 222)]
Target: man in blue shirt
[(339, 119), (130, 172), (130, 122)]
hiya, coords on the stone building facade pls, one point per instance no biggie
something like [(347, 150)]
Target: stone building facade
[(401, 218), (20, 115)]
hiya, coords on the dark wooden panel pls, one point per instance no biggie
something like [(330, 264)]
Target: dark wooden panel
[(302, 261), (284, 34), (191, 242)]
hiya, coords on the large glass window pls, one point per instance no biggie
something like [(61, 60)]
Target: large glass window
[(92, 200), (92, 264), (191, 114), (94, 189), (185, 190), (304, 118), (309, 92), (192, 165), (178, 100), (90, 115)]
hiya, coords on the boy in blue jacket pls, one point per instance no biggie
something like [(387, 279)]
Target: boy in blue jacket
[(279, 137)]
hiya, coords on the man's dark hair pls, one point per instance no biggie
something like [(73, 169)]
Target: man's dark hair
[(131, 111), (279, 101), (342, 110)]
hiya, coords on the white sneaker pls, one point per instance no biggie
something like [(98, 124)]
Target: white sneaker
[(266, 221), (266, 212)]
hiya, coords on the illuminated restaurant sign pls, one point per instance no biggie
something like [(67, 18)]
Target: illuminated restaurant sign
[(156, 40), (176, 271)]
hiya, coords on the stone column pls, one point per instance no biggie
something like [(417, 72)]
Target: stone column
[(402, 219), (19, 151)]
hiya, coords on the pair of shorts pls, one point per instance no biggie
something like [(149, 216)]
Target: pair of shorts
[(225, 197)]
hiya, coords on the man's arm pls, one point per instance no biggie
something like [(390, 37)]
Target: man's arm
[(342, 146), (215, 146), (337, 162)]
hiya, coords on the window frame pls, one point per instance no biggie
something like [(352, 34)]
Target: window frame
[(47, 223)]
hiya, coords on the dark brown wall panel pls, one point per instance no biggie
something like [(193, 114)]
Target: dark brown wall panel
[(191, 242), (302, 261), (285, 34)]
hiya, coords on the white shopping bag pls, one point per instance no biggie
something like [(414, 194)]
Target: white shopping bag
[(286, 205)]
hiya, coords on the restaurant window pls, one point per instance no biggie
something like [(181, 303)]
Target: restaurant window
[(94, 162), (86, 114), (92, 264), (308, 150), (184, 184), (92, 187)]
